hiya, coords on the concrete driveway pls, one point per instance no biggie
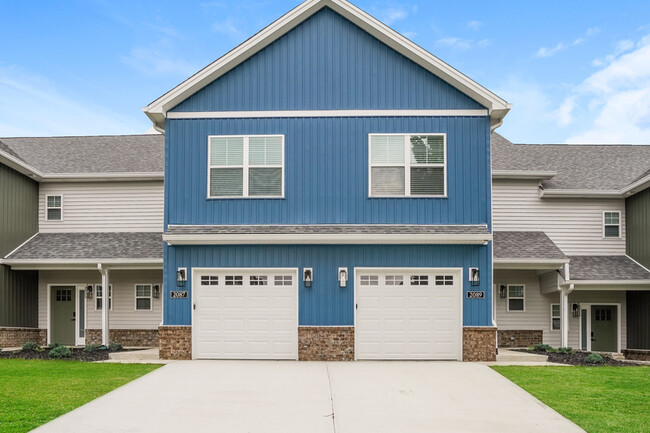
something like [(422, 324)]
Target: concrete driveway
[(315, 397)]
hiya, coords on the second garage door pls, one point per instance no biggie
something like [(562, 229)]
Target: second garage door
[(408, 314), (245, 314)]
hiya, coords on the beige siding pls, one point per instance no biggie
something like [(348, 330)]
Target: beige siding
[(575, 225), (123, 315), (105, 207), (549, 281)]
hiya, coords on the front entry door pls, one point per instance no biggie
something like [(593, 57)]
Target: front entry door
[(63, 320), (604, 328)]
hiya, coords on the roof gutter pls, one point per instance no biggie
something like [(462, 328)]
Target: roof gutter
[(20, 166), (578, 193), (82, 264), (537, 264), (523, 174), (102, 177)]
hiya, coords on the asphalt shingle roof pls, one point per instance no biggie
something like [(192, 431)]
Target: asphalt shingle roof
[(606, 268), (341, 229), (94, 154), (579, 166), (525, 245), (70, 246)]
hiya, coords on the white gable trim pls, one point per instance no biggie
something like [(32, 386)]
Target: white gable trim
[(157, 110), (321, 113)]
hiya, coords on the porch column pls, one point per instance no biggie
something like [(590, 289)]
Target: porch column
[(564, 315), (105, 304)]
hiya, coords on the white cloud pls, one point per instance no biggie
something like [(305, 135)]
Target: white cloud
[(474, 25), (462, 43), (621, 47), (544, 52), (156, 61), (230, 27), (32, 106), (390, 13)]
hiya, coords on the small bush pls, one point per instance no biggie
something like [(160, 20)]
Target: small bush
[(594, 358), (94, 348), (566, 351), (544, 347), (60, 352), (115, 347), (31, 345)]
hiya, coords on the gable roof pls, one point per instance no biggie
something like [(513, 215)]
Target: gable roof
[(604, 169), (108, 156), (511, 245), (607, 268), (157, 110)]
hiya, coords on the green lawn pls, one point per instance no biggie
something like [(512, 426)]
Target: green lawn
[(35, 392), (598, 399)]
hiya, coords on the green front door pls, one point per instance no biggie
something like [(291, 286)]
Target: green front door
[(63, 314), (604, 328)]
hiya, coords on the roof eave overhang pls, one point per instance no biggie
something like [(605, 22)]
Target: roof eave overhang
[(20, 166), (579, 193), (82, 264), (331, 239), (523, 174), (637, 186), (534, 264), (608, 284), (157, 110), (103, 177)]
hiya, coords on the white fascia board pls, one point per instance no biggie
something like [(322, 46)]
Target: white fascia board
[(637, 186), (523, 174), (102, 177), (54, 264), (607, 282), (330, 239), (157, 110), (536, 264), (322, 113), (578, 193), (20, 166)]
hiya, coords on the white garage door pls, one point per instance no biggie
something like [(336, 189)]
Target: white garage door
[(245, 314), (408, 314)]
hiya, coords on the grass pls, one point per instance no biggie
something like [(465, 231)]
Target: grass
[(598, 399), (35, 392)]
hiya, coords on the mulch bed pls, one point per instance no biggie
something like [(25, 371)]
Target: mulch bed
[(78, 354), (578, 358)]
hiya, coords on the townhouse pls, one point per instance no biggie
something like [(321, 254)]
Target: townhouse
[(86, 213)]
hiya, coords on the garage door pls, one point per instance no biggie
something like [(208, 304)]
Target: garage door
[(245, 314), (408, 314)]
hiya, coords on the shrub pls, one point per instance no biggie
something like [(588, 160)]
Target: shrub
[(60, 352), (594, 358), (54, 345), (115, 347), (544, 347), (94, 348), (565, 351), (31, 345)]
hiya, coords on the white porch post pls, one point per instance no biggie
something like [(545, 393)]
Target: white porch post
[(564, 315), (105, 304)]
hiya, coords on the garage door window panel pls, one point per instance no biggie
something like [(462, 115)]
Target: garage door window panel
[(210, 280), (419, 280), (283, 280), (259, 280), (234, 280), (394, 280)]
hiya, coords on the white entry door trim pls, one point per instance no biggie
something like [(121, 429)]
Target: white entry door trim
[(587, 306), (382, 272), (196, 287)]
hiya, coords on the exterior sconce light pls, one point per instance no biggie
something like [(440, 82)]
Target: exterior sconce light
[(343, 277), (307, 277), (576, 310), (502, 291), (156, 291), (181, 277), (89, 292), (475, 277)]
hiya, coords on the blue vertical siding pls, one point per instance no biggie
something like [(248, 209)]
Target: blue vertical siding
[(326, 304), (327, 63), (326, 173)]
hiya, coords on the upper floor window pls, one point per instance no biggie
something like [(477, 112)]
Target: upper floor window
[(54, 208), (408, 165), (246, 166), (612, 224)]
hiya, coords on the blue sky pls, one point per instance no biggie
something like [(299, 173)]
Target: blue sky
[(576, 71)]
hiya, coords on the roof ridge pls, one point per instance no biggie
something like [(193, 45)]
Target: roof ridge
[(80, 136)]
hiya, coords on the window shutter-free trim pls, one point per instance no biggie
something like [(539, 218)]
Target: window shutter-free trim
[(54, 208), (612, 224)]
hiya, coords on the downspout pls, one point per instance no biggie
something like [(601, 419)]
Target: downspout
[(105, 304)]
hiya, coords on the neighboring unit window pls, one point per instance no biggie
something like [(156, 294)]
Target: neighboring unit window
[(283, 280), (143, 297), (369, 280), (444, 280), (394, 280), (419, 280), (99, 297), (407, 165), (54, 210), (516, 297), (251, 166), (612, 224), (555, 317)]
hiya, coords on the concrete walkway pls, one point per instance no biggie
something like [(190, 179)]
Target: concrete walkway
[(315, 397)]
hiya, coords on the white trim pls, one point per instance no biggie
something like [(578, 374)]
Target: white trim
[(612, 225), (20, 246), (523, 174), (619, 334), (578, 193), (322, 113), (607, 282), (523, 298), (514, 263), (158, 109), (636, 186), (458, 274), (110, 297), (246, 166), (136, 297), (294, 271), (407, 165), (79, 264), (554, 317), (20, 166), (101, 177), (49, 307), (81, 303), (48, 207)]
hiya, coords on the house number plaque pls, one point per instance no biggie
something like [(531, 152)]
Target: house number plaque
[(475, 295), (180, 294)]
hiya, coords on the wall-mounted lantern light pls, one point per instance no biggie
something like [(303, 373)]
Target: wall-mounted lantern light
[(576, 310), (502, 291), (89, 291), (156, 291), (474, 277), (343, 277), (181, 277), (307, 277)]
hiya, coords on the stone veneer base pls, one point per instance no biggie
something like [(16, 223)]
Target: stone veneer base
[(519, 338), (16, 337), (479, 344), (637, 354), (326, 343), (126, 337), (175, 342)]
